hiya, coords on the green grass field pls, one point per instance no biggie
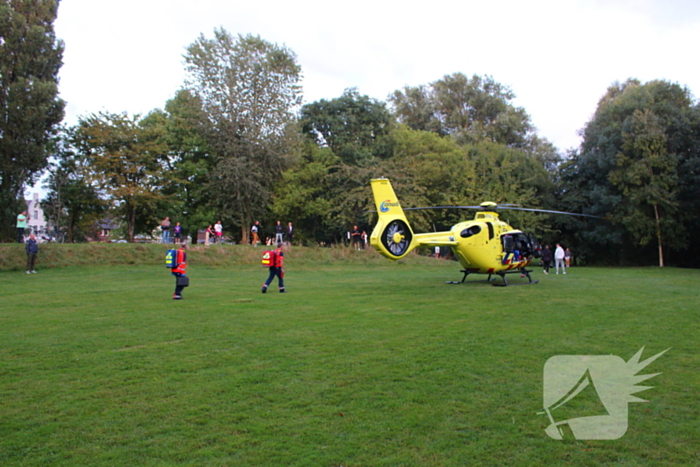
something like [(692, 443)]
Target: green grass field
[(363, 363)]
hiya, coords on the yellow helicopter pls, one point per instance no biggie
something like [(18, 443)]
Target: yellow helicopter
[(484, 245)]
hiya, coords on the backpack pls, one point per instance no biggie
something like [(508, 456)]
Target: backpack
[(269, 258), (171, 259)]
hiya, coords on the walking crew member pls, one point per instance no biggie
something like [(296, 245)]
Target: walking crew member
[(180, 270), (276, 269)]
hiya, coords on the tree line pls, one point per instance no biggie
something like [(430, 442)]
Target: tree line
[(236, 144)]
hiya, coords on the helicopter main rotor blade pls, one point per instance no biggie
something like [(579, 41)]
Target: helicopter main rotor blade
[(506, 207), (439, 207), (555, 212), (503, 207), (444, 207)]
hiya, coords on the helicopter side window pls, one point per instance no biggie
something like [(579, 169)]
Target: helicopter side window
[(468, 232), (490, 226)]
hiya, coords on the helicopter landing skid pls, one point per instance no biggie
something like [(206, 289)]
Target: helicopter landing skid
[(522, 272), (464, 278)]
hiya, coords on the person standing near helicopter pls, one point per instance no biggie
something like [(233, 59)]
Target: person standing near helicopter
[(559, 259), (546, 259)]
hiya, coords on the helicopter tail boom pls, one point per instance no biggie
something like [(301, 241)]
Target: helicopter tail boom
[(392, 237)]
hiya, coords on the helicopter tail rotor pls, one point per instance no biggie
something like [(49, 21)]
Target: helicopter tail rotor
[(396, 237), (392, 236)]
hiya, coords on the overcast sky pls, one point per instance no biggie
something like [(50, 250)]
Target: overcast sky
[(558, 56)]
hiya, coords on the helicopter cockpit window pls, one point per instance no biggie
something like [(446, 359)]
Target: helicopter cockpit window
[(468, 232), (508, 243)]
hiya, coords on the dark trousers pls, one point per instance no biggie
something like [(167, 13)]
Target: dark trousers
[(275, 272), (178, 288), (31, 260), (20, 235)]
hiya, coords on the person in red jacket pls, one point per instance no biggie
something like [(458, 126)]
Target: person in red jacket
[(276, 269), (180, 270)]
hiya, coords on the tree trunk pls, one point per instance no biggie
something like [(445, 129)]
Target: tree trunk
[(658, 235), (70, 230), (130, 223), (244, 235)]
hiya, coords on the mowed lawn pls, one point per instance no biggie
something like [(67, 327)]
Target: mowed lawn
[(358, 365)]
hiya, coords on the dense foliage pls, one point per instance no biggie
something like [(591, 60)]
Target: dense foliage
[(235, 144), (639, 164)]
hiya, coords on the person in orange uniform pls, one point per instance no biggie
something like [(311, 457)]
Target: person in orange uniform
[(180, 270), (276, 269)]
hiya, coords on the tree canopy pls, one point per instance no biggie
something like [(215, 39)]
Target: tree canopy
[(470, 109), (353, 126), (124, 157)]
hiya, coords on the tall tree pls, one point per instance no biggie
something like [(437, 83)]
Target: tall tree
[(188, 161), (30, 110), (640, 149), (249, 89), (647, 177), (471, 109), (351, 135), (125, 158)]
